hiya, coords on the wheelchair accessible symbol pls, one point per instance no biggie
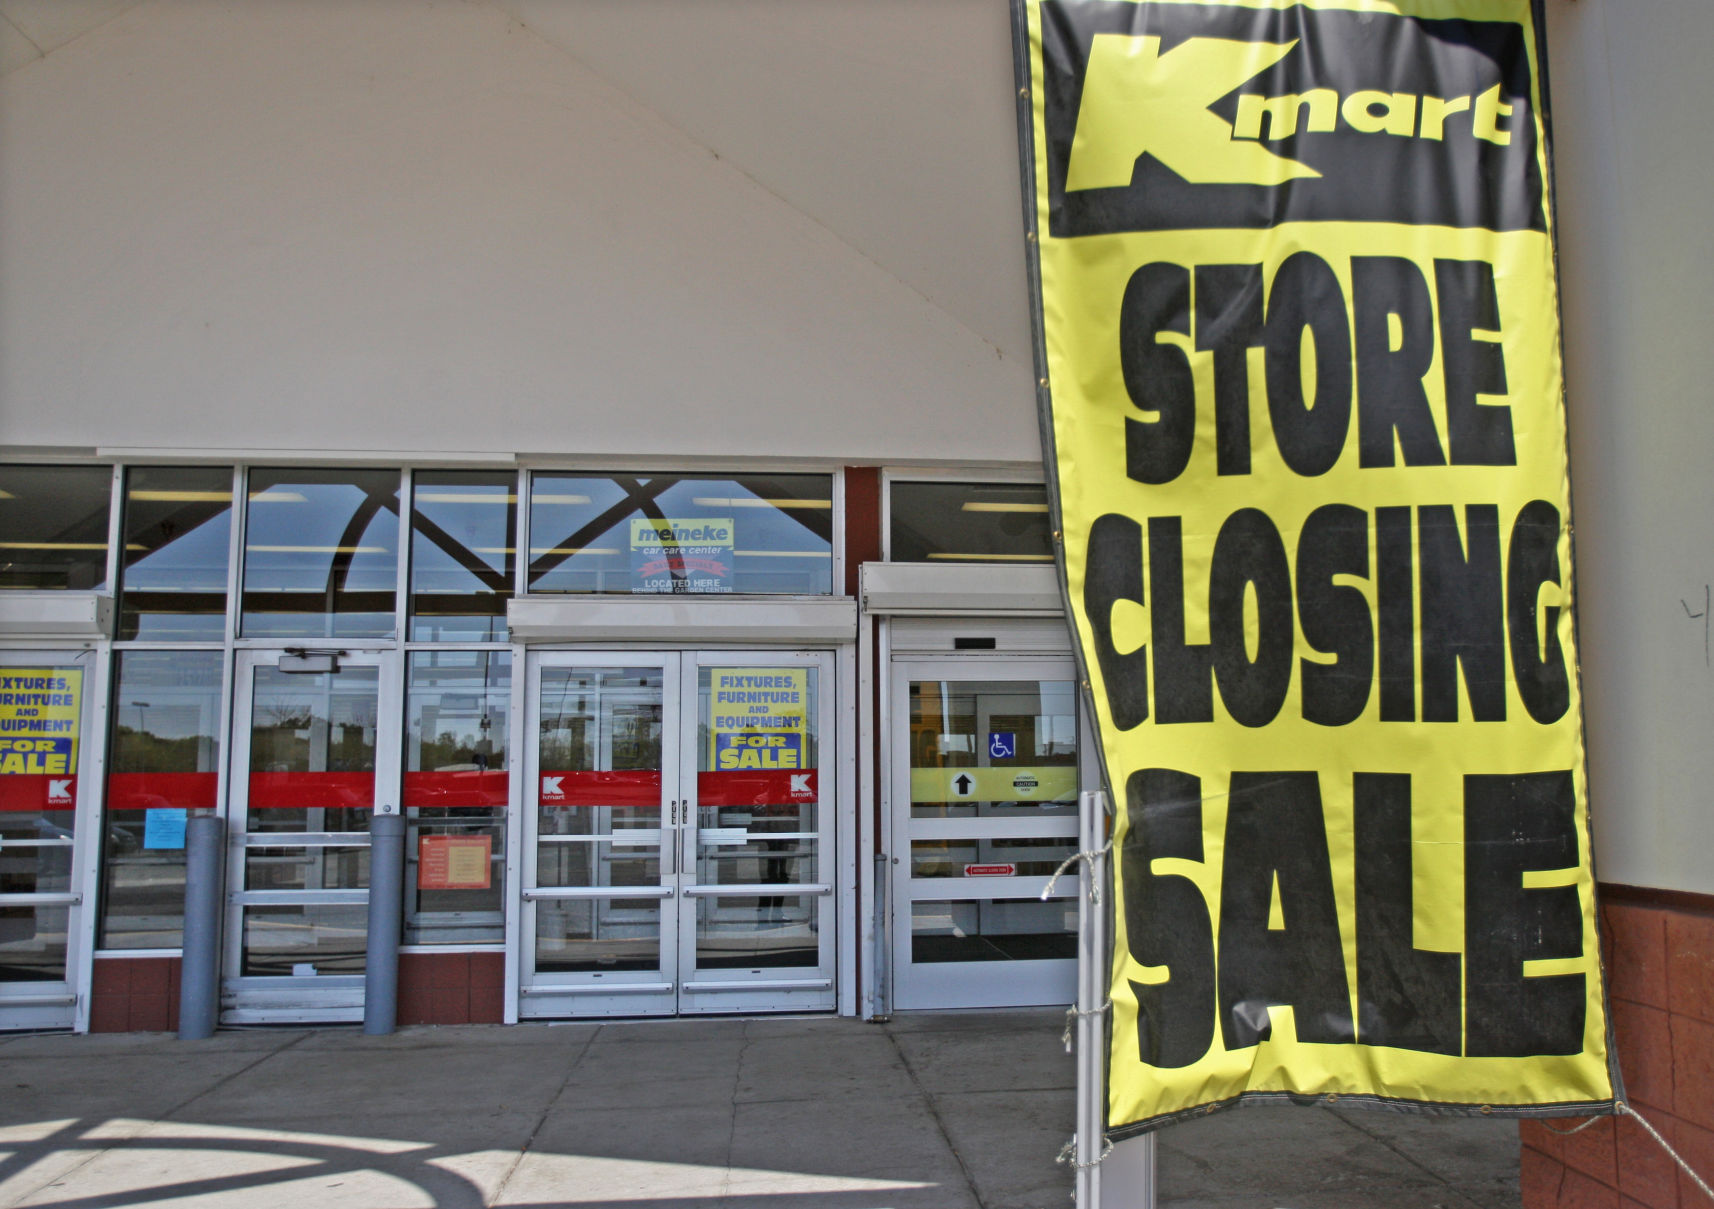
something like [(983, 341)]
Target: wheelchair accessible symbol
[(1002, 744)]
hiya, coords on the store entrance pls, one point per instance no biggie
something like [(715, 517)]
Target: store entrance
[(987, 765), (45, 699), (309, 758), (677, 834)]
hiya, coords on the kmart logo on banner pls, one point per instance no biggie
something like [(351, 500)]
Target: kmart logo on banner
[(1212, 106)]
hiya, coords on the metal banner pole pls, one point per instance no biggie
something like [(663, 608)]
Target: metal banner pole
[(199, 974), (1122, 1177), (1091, 1075)]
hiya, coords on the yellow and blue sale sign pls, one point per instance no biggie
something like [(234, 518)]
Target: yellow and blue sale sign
[(1300, 377), (758, 718), (39, 712)]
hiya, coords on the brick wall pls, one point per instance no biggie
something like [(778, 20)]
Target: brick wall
[(451, 988), (134, 995), (1660, 966), (141, 994)]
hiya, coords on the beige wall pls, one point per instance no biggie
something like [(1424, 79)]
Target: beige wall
[(409, 226), (1635, 171)]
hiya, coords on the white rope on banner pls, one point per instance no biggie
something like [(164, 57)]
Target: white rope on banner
[(1072, 1015), (1067, 1154), (1068, 862), (1625, 1110)]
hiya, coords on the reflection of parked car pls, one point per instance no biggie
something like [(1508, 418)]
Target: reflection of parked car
[(122, 839)]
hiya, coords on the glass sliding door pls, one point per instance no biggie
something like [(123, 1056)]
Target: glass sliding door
[(986, 771), (309, 757), (677, 826)]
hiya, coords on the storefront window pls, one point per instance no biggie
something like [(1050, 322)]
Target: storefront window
[(656, 534), (463, 536), (969, 522), (53, 526), (178, 532), (321, 554), (163, 758), (457, 707)]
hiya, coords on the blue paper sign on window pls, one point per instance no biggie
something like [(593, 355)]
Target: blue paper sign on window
[(164, 828)]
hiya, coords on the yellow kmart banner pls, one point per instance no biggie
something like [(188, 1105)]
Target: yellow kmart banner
[(1298, 349)]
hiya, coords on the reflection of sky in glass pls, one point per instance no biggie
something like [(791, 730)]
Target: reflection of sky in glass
[(580, 538), (195, 562), (474, 515), (177, 525), (297, 530), (463, 527)]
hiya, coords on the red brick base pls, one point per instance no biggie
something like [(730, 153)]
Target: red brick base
[(134, 995), (451, 988), (1660, 969), (141, 994)]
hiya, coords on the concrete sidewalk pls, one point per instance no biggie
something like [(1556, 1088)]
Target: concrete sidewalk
[(940, 1111)]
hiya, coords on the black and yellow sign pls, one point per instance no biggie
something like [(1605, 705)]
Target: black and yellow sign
[(1298, 343)]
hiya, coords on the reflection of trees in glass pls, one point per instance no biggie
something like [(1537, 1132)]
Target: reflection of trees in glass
[(283, 734), (575, 711), (142, 751), (565, 744), (637, 737)]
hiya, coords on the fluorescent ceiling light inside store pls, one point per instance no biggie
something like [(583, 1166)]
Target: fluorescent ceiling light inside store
[(186, 497), (996, 558), (319, 549), (712, 501), (54, 545), (1001, 506)]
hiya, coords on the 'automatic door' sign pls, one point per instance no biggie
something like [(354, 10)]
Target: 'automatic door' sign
[(1298, 349)]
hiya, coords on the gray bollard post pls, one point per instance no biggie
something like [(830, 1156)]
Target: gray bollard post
[(199, 976), (386, 905)]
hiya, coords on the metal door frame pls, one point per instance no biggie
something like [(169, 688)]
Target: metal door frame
[(283, 999), (65, 1004), (623, 993), (958, 984), (800, 988), (678, 989)]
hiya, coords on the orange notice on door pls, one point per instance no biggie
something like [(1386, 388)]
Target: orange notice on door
[(454, 862)]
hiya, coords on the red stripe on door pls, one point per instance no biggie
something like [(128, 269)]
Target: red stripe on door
[(312, 790), (465, 788), (155, 790), (755, 788), (32, 793), (640, 788)]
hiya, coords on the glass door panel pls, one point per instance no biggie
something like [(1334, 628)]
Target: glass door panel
[(757, 898), (987, 768), (599, 823), (675, 842), (44, 711), (308, 750)]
